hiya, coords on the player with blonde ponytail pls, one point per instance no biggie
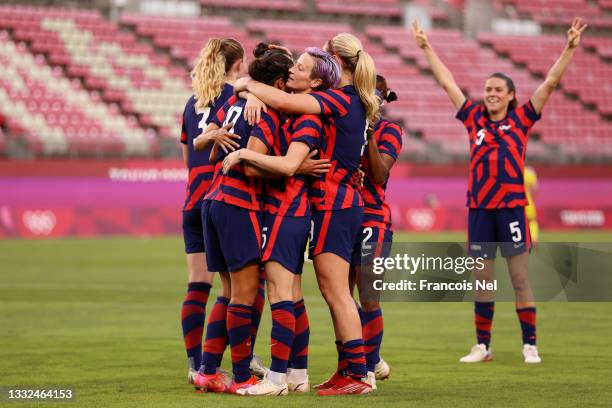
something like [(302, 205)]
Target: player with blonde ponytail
[(216, 70), (358, 63), (335, 199)]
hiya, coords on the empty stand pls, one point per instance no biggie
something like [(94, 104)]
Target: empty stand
[(185, 37), (56, 115), (126, 71)]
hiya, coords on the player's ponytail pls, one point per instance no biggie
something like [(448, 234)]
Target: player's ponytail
[(210, 71), (511, 88), (361, 65)]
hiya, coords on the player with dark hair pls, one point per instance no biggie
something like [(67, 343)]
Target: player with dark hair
[(498, 133), (337, 202), (287, 222), (219, 65), (234, 203), (376, 236)]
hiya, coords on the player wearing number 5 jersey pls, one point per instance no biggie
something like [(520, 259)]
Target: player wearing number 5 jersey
[(219, 65), (498, 131), (235, 203), (336, 201), (376, 234)]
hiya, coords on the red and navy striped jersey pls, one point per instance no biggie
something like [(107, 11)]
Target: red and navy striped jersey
[(288, 196), (235, 187), (200, 169), (388, 136), (343, 143), (497, 155)]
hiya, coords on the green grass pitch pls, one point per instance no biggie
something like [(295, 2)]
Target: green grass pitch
[(102, 316)]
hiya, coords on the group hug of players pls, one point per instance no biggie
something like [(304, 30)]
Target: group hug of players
[(274, 163)]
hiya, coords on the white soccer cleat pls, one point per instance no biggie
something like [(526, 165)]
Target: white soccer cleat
[(257, 368), (296, 384), (265, 388), (191, 375), (479, 353), (530, 353), (382, 371), (370, 379)]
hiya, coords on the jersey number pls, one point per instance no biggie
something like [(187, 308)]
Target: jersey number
[(515, 231), (367, 232), (365, 137), (233, 114), (480, 136), (202, 123)]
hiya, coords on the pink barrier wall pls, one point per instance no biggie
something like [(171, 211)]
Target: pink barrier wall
[(147, 200)]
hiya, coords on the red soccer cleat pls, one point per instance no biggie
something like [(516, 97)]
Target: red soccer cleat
[(331, 381), (240, 388), (211, 383), (347, 386)]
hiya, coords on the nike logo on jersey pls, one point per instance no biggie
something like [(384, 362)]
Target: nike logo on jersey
[(505, 127)]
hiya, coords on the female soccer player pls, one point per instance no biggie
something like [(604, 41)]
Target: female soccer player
[(219, 65), (234, 203), (338, 206), (498, 132), (376, 235), (287, 220)]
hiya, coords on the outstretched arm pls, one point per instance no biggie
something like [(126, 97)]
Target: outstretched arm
[(543, 92), (440, 71), (274, 97)]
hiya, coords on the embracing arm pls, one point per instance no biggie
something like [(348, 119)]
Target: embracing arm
[(441, 72), (282, 165), (275, 98), (543, 92)]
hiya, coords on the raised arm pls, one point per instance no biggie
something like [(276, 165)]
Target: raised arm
[(440, 71), (275, 98), (543, 92)]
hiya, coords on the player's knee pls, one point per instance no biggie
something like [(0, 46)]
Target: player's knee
[(370, 305)]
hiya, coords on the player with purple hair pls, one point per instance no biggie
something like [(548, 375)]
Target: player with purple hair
[(287, 221)]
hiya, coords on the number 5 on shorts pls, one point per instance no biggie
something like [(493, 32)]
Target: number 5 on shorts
[(515, 231), (264, 237)]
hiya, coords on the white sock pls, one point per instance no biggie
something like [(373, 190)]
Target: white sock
[(277, 378), (299, 375)]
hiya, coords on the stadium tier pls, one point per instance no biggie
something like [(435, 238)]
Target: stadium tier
[(184, 37), (284, 5), (119, 87), (58, 116), (559, 12), (109, 60)]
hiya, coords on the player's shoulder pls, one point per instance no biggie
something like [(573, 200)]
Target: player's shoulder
[(189, 105), (386, 124)]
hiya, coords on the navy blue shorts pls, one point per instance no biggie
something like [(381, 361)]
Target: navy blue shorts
[(232, 236), (507, 227), (373, 242), (193, 232), (284, 241), (335, 231)]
